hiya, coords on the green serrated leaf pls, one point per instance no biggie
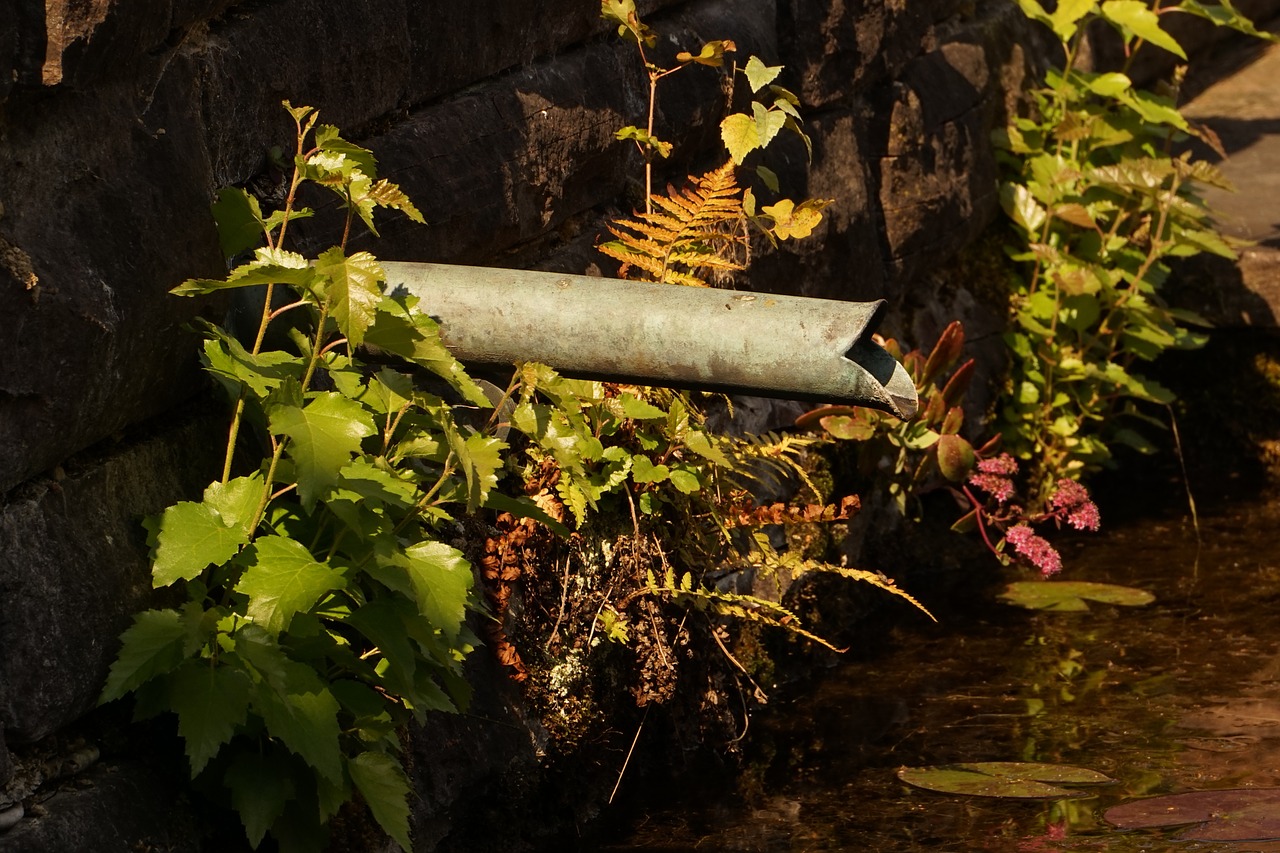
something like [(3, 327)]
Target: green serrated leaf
[(153, 645), (700, 443), (240, 223), (382, 623), (760, 75), (211, 702), (282, 578), (269, 266), (442, 579), (306, 722), (632, 406), (685, 481), (644, 471), (401, 329), (325, 434), (381, 781), (236, 502), (1066, 16), (235, 367), (1223, 14), (1135, 18), (377, 485), (480, 458), (260, 787), (190, 537), (354, 290), (329, 139)]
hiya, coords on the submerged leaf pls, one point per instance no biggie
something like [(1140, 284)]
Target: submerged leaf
[(1233, 814)]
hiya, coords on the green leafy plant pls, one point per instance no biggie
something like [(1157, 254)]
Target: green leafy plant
[(910, 458), (773, 109), (322, 604), (1100, 205)]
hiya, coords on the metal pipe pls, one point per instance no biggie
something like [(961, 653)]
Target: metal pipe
[(660, 334)]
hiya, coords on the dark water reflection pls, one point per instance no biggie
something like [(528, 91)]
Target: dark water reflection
[(1181, 695)]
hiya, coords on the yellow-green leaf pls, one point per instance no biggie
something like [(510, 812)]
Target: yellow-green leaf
[(325, 433), (210, 701), (381, 781), (282, 580), (1135, 18), (354, 290)]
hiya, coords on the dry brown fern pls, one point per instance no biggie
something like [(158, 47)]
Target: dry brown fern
[(693, 234)]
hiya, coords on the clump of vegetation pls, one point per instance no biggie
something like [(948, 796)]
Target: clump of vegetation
[(1099, 205)]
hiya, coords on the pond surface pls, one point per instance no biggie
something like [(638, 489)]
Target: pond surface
[(1181, 695)]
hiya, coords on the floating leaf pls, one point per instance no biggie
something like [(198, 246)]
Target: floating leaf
[(1013, 779), (1232, 814), (1072, 595)]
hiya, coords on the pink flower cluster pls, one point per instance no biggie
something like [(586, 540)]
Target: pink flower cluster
[(1073, 500), (995, 476), (1039, 552)]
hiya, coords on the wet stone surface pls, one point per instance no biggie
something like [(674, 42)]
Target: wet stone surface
[(1182, 695)]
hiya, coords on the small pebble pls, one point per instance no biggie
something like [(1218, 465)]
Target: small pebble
[(10, 816)]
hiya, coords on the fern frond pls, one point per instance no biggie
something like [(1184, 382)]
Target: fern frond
[(747, 514), (693, 232), (755, 456), (769, 559), (747, 608)]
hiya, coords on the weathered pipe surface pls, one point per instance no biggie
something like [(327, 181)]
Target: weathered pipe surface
[(782, 346)]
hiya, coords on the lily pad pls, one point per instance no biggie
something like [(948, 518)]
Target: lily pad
[(1072, 595), (1015, 779), (1232, 814)]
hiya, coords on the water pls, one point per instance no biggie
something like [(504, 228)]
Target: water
[(1181, 695)]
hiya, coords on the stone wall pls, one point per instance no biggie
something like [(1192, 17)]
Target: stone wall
[(119, 121)]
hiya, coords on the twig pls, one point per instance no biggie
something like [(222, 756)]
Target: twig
[(760, 695), (1186, 482), (627, 761), (564, 599)]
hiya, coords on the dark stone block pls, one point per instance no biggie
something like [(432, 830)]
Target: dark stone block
[(511, 161), (106, 202), (111, 807), (837, 48), (939, 167), (73, 571)]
